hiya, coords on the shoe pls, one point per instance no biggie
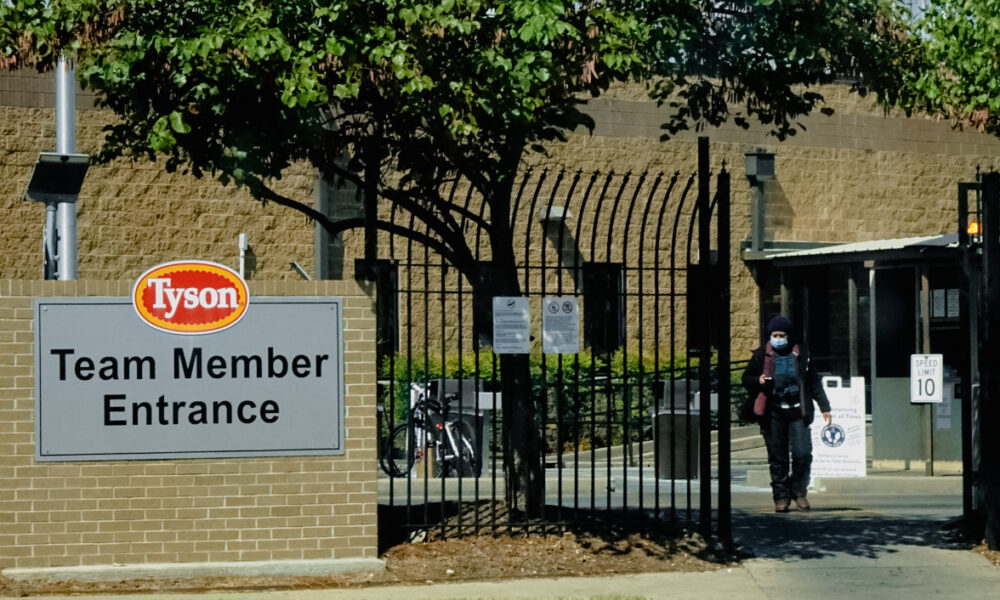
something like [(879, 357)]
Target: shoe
[(781, 506), (802, 503)]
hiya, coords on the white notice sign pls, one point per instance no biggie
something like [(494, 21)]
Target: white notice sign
[(511, 325), (938, 304), (926, 378), (839, 449), (560, 325), (942, 412), (953, 300)]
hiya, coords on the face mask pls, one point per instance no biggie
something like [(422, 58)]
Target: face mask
[(778, 342)]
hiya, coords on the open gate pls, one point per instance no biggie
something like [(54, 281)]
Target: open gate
[(625, 424)]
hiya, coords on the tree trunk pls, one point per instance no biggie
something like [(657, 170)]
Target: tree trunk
[(523, 466), (525, 481)]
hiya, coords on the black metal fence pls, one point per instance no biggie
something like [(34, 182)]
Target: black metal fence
[(625, 423)]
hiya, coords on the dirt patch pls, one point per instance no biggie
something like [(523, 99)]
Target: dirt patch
[(991, 555), (482, 557)]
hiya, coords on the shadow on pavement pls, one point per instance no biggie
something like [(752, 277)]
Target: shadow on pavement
[(823, 533)]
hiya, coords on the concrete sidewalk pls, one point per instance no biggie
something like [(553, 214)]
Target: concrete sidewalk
[(896, 571), (839, 550), (879, 537)]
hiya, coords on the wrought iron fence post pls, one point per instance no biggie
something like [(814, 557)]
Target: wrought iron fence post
[(989, 379), (969, 326), (722, 369), (705, 341)]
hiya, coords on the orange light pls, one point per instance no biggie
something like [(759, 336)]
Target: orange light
[(973, 228)]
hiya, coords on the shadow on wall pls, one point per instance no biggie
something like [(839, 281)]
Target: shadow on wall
[(779, 214), (250, 263), (561, 238)]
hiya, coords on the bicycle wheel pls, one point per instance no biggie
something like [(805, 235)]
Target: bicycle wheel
[(402, 450), (465, 463), (405, 447)]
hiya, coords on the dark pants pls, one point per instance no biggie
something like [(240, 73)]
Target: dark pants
[(784, 438)]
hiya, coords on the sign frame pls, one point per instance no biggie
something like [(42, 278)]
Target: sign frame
[(926, 378), (289, 441)]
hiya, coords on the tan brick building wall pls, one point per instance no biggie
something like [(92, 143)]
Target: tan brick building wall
[(857, 175), (56, 514), (133, 215)]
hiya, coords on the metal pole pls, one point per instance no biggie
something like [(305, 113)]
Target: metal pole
[(241, 242), (725, 292), (66, 144), (49, 242), (927, 411), (757, 217), (705, 344), (969, 331), (990, 382), (852, 321)]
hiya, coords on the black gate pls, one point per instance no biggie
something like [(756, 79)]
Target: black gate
[(979, 242), (626, 424)]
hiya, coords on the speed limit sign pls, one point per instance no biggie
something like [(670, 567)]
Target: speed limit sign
[(926, 378)]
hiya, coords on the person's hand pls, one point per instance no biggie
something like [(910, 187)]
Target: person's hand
[(761, 380), (827, 418)]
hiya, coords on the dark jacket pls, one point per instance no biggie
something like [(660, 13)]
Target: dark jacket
[(810, 384)]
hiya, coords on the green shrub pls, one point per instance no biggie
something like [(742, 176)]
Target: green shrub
[(581, 400)]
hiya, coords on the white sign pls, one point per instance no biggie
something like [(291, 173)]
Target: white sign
[(942, 412), (926, 378), (110, 387), (560, 325), (511, 325), (839, 448), (938, 303), (953, 300)]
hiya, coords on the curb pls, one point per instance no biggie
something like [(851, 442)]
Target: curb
[(119, 572), (872, 484)]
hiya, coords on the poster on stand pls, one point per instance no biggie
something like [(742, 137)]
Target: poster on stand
[(839, 448)]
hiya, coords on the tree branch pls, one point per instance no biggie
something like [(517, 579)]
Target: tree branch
[(460, 257)]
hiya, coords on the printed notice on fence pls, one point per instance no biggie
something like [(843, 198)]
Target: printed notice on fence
[(560, 325), (511, 325)]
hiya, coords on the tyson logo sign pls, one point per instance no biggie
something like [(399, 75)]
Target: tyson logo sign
[(190, 297)]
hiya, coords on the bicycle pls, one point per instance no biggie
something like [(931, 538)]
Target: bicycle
[(429, 426)]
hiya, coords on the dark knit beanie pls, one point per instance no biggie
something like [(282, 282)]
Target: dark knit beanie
[(779, 323)]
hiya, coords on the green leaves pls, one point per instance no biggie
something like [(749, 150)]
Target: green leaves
[(177, 123), (954, 68)]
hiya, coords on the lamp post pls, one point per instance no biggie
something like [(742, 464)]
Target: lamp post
[(759, 169), (56, 182)]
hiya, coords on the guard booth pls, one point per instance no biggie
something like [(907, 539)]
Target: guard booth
[(862, 309)]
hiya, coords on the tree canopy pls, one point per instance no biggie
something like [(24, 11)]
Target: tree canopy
[(954, 74), (241, 89), (403, 96)]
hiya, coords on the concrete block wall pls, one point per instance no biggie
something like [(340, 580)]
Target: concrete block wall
[(133, 215), (860, 174), (56, 514)]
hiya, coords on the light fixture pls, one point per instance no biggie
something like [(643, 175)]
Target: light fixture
[(57, 177), (973, 228), (759, 165)]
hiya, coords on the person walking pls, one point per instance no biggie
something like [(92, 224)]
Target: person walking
[(783, 387)]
